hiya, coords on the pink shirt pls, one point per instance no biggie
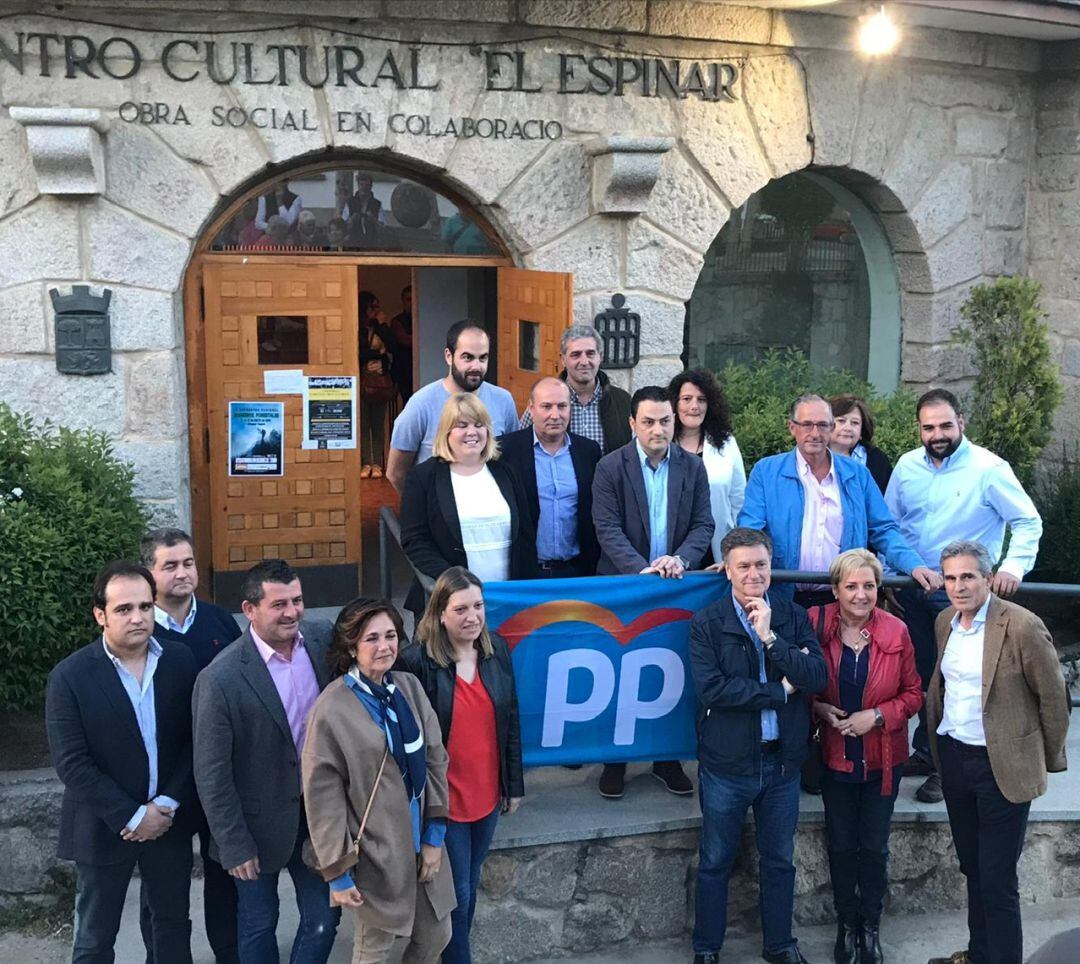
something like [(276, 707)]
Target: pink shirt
[(823, 518), (295, 680)]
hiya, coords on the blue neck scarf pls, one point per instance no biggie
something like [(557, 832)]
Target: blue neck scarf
[(403, 733)]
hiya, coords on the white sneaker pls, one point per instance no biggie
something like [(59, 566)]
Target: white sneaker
[(365, 472)]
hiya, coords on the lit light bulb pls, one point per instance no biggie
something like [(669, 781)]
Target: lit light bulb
[(878, 34)]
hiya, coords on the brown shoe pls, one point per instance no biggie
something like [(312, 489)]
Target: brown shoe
[(960, 957)]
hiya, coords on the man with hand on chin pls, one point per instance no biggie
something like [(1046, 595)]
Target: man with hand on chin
[(118, 715), (652, 514), (755, 662), (250, 708)]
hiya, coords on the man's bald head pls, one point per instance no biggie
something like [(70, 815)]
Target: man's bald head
[(549, 383), (549, 405)]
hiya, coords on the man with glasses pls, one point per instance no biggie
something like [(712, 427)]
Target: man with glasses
[(816, 504)]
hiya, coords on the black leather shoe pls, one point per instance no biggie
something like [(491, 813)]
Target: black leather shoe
[(671, 775), (918, 766), (930, 791), (613, 781), (870, 946), (846, 949), (707, 959), (790, 955)]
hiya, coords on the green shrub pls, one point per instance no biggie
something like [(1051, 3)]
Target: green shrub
[(1018, 388), (1057, 496), (760, 394), (66, 509)]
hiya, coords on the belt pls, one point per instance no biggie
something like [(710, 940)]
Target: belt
[(969, 748), (553, 564), (770, 746)]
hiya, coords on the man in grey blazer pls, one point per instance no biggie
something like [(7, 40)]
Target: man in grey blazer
[(250, 713), (652, 514)]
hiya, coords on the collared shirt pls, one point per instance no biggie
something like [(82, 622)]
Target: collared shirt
[(961, 667), (295, 681), (973, 495), (557, 490), (165, 620), (770, 725), (141, 695), (859, 453), (656, 480), (823, 517)]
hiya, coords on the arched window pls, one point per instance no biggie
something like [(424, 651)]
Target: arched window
[(802, 264), (351, 209)]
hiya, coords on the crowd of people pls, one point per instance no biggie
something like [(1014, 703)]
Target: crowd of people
[(374, 769)]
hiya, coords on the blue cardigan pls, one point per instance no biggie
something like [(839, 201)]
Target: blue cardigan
[(775, 499)]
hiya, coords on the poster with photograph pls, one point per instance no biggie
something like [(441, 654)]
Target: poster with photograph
[(330, 412), (256, 438)]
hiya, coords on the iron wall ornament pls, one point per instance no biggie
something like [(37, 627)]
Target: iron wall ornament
[(620, 333), (83, 342)]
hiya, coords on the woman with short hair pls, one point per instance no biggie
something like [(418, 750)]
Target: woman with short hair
[(852, 433), (376, 794), (466, 672), (872, 691)]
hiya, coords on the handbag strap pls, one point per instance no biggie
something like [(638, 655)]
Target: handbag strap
[(371, 800), (821, 624)]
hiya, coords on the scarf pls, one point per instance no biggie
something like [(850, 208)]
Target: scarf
[(403, 733)]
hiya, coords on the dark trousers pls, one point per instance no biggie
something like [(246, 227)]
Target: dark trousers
[(165, 867), (988, 833), (219, 909), (257, 914), (920, 614), (774, 795), (562, 569), (857, 819), (467, 845)]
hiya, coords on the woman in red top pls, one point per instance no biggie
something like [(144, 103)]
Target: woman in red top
[(468, 677), (873, 690)]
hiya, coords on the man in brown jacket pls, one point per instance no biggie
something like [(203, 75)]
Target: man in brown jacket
[(998, 712)]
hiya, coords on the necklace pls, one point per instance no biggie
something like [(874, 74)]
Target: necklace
[(854, 639)]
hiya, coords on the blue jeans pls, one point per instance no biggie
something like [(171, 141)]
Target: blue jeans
[(467, 846), (257, 915), (774, 795), (920, 613)]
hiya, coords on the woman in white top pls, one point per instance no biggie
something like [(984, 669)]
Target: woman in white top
[(703, 428), (462, 507)]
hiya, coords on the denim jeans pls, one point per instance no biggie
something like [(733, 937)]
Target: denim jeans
[(920, 613), (857, 819), (466, 845), (774, 795), (257, 915)]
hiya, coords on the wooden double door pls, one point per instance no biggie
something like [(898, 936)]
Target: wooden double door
[(261, 315)]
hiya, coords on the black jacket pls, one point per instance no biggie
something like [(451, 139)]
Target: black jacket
[(517, 452), (431, 527), (497, 675), (879, 466), (724, 665), (614, 412), (99, 755)]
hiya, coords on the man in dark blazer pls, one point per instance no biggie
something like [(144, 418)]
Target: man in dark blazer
[(250, 710), (118, 715), (652, 514), (997, 712), (556, 469)]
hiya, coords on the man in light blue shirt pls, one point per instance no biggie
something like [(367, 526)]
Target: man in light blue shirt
[(947, 490)]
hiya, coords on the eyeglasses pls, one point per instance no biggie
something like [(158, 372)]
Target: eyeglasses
[(806, 426)]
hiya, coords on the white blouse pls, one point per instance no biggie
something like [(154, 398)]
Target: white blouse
[(485, 524), (727, 487)]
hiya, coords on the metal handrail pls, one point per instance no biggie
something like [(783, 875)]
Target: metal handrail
[(390, 528)]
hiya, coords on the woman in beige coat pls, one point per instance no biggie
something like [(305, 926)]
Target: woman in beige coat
[(374, 746)]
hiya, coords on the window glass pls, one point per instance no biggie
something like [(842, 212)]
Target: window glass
[(283, 339), (528, 345), (352, 210)]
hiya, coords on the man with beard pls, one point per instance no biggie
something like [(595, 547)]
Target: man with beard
[(556, 468), (467, 351), (947, 490)]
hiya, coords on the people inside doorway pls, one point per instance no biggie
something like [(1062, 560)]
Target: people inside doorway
[(335, 235), (376, 386), (599, 410), (466, 672), (280, 202), (361, 213), (277, 234), (852, 433), (703, 428), (401, 327), (307, 233), (467, 354)]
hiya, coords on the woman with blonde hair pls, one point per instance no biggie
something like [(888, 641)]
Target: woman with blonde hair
[(872, 691), (462, 507), (466, 672), (376, 794)]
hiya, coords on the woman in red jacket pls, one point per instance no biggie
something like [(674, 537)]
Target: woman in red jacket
[(873, 690)]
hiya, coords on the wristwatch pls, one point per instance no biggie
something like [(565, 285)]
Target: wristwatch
[(879, 720), (684, 562), (770, 639)]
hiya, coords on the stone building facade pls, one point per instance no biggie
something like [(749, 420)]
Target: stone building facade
[(965, 146)]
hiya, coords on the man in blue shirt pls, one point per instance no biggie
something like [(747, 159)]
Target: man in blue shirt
[(556, 469), (118, 716), (205, 629), (947, 490)]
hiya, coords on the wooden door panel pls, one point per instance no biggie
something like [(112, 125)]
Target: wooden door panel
[(307, 516), (535, 308)]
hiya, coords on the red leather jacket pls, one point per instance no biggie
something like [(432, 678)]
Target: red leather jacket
[(892, 685)]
